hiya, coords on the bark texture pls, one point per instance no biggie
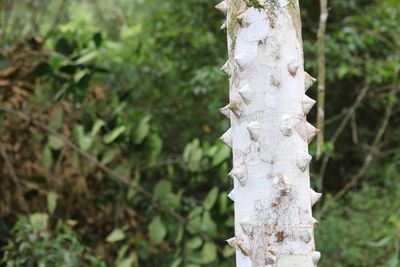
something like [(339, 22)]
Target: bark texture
[(269, 134)]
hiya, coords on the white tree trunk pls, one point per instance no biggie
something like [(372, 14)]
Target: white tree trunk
[(269, 134)]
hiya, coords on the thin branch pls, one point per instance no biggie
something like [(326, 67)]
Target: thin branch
[(321, 76), (6, 9), (14, 177), (56, 19), (375, 146), (373, 151), (389, 152), (340, 129), (120, 179), (335, 118), (354, 131)]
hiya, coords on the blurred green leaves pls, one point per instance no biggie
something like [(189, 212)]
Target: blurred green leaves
[(137, 85), (115, 236), (142, 129), (157, 230), (211, 198), (84, 140), (52, 200), (114, 134), (192, 155)]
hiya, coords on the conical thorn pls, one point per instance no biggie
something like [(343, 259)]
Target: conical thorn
[(308, 81), (314, 197), (247, 226), (225, 111), (304, 161), (227, 68), (254, 129), (240, 174), (286, 126), (241, 60), (223, 26), (223, 6), (314, 221), (275, 82), (231, 195), (293, 68), (234, 106), (308, 104), (305, 236), (232, 242), (316, 256), (242, 19), (227, 138), (246, 93), (311, 132)]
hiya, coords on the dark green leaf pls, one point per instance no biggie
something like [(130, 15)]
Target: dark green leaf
[(97, 39), (64, 47)]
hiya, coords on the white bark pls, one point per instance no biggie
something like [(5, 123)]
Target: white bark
[(269, 134)]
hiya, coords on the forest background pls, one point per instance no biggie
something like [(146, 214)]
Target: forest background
[(109, 151)]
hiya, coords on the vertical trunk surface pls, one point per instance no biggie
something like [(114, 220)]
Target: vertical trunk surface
[(269, 134)]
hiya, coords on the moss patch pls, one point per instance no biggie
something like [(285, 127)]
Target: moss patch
[(233, 22), (294, 12), (254, 3)]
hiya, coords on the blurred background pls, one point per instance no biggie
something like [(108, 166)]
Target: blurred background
[(109, 126)]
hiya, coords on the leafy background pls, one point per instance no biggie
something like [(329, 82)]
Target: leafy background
[(109, 127)]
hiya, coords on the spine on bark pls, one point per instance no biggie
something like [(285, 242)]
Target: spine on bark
[(269, 134)]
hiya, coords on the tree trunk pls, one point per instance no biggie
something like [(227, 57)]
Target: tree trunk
[(269, 134)]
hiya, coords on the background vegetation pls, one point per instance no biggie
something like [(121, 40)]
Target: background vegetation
[(109, 126)]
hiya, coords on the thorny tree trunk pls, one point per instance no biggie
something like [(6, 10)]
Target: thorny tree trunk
[(269, 134)]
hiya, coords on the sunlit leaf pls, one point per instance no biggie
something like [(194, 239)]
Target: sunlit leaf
[(39, 221), (222, 154), (211, 198), (52, 199), (110, 137), (115, 236), (142, 129), (86, 58), (207, 224), (84, 141), (194, 243), (109, 155), (209, 253), (55, 142), (162, 189), (157, 230), (96, 127), (228, 251), (47, 157), (127, 262)]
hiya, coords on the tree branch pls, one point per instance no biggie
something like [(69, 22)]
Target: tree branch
[(340, 129), (374, 148), (321, 76), (121, 179)]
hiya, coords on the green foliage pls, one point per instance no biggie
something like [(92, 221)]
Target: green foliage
[(32, 244), (157, 230), (367, 221), (115, 236), (137, 86)]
